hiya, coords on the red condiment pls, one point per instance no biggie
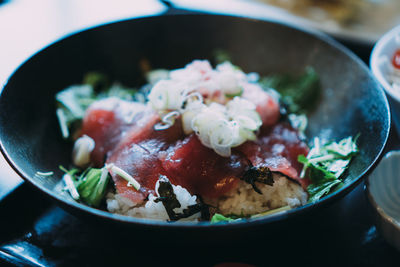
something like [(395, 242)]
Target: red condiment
[(396, 59)]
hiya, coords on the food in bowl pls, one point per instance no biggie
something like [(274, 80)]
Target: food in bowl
[(198, 143), (342, 11)]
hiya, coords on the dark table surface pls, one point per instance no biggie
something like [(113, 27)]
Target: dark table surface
[(33, 231)]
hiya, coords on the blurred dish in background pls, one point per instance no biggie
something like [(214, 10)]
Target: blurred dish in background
[(340, 11), (383, 192), (385, 67), (357, 20)]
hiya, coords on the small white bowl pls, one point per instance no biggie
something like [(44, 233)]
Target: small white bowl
[(380, 63), (383, 190)]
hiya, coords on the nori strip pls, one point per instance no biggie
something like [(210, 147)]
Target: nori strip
[(170, 202), (258, 174)]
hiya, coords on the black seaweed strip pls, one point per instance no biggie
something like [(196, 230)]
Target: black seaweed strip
[(258, 174)]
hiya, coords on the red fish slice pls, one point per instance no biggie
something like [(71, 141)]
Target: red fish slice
[(278, 148), (106, 121), (200, 170), (138, 155)]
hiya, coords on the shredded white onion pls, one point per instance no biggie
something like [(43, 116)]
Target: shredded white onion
[(62, 120), (123, 174), (70, 186), (83, 146), (219, 126), (167, 121), (44, 174), (223, 127)]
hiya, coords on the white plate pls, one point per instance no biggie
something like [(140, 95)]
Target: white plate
[(380, 65), (366, 30)]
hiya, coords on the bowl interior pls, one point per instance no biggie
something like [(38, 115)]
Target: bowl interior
[(352, 102)]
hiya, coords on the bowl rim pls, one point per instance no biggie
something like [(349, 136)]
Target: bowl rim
[(380, 210), (374, 62), (246, 223)]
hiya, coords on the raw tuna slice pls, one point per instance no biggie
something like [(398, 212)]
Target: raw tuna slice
[(138, 154), (142, 165), (278, 149), (152, 140), (106, 121), (200, 170)]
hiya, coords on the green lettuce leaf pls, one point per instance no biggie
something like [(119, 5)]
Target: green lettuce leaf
[(299, 92), (217, 218), (317, 191), (73, 101), (90, 184), (325, 164)]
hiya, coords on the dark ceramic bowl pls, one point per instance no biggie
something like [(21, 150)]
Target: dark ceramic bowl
[(352, 100)]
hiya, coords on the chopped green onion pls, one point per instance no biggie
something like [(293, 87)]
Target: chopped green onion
[(232, 95), (270, 212), (89, 186), (120, 172), (62, 120), (73, 101), (69, 183), (220, 218), (299, 122), (325, 164), (92, 186), (321, 158), (44, 173)]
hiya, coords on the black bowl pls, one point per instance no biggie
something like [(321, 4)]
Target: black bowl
[(352, 100)]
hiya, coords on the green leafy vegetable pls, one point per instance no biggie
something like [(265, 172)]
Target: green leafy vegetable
[(90, 184), (92, 187), (316, 191), (72, 104), (217, 218), (71, 172), (221, 56), (299, 122), (345, 148), (325, 164), (98, 81), (270, 212), (300, 93), (119, 91), (73, 101), (235, 94)]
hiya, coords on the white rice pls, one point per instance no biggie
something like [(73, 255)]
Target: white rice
[(151, 210), (245, 201), (242, 200)]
